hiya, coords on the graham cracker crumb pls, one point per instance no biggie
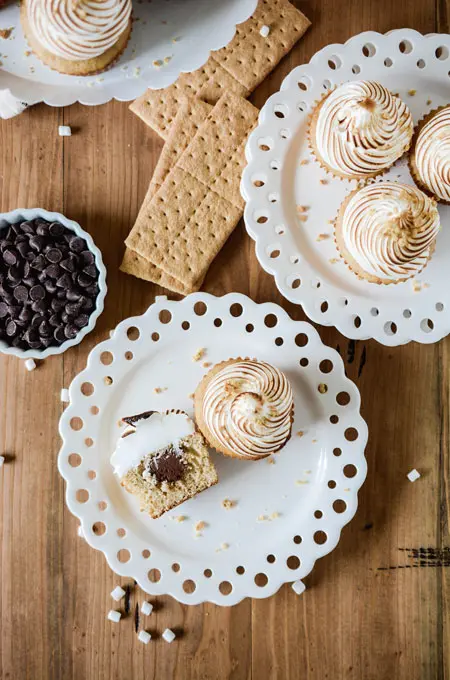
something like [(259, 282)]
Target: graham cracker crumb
[(313, 441), (302, 208), (299, 482), (322, 237), (426, 285), (120, 422), (323, 389), (176, 39), (333, 260), (227, 504), (27, 53), (207, 364), (158, 390), (300, 433), (323, 181), (167, 59), (178, 518), (346, 489), (262, 518), (429, 102), (200, 353), (417, 287), (305, 161), (412, 92), (302, 218), (275, 515), (224, 546), (6, 32), (157, 63), (200, 526), (191, 395), (271, 461), (330, 221)]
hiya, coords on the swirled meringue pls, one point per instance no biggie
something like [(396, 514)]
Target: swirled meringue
[(388, 229), (360, 129), (430, 157), (247, 409), (78, 30)]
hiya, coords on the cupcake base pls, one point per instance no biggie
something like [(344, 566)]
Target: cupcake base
[(411, 160), (350, 261), (85, 67)]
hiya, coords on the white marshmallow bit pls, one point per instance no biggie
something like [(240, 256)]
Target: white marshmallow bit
[(2, 461), (144, 637), (169, 635), (64, 131), (298, 587), (30, 364), (80, 531), (114, 616), (413, 475), (117, 593), (65, 395), (146, 608), (265, 30)]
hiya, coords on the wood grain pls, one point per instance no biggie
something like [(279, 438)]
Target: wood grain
[(369, 612)]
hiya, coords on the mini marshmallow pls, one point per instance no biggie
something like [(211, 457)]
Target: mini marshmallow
[(2, 460), (169, 635), (80, 531), (413, 475), (30, 364), (146, 608), (144, 637), (117, 593), (298, 587), (114, 616), (65, 395), (265, 30), (64, 131)]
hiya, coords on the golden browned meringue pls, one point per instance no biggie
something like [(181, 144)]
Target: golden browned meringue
[(247, 409), (430, 157), (360, 129), (389, 230)]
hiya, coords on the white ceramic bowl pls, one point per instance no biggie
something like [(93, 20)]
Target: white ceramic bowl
[(21, 214)]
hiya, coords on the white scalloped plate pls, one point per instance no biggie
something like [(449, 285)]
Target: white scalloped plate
[(312, 486), (186, 31), (308, 270)]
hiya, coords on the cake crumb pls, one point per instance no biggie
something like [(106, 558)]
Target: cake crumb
[(412, 92), (262, 518), (191, 395), (313, 441), (323, 389), (302, 208), (271, 460), (200, 526), (429, 102), (157, 63), (27, 53), (224, 546), (299, 482), (305, 161), (6, 32), (178, 518), (227, 504), (167, 59), (417, 287), (323, 181), (302, 218), (300, 433), (275, 515), (330, 221), (426, 285), (207, 364), (333, 260), (322, 237), (158, 390), (200, 353), (176, 39)]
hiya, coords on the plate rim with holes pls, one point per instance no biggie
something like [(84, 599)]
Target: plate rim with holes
[(351, 450), (22, 214), (389, 321)]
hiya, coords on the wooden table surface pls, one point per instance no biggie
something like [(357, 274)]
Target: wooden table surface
[(356, 619)]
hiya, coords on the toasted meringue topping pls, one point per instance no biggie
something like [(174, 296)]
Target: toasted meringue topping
[(432, 154), (248, 408), (362, 129), (78, 29), (389, 228)]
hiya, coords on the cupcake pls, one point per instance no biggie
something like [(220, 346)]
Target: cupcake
[(386, 231), (77, 37), (244, 408), (429, 160), (162, 460), (359, 130)]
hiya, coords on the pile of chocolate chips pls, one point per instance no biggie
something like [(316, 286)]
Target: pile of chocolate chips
[(48, 284)]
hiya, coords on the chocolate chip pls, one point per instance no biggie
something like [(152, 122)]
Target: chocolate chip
[(57, 305), (91, 270), (65, 318), (93, 290), (21, 293), (27, 228), (69, 264), (3, 310), (53, 255), (64, 281), (14, 311), (39, 306), (73, 295), (53, 271), (11, 329), (59, 334), (54, 320), (39, 263), (84, 280), (37, 293), (56, 229), (61, 294), (70, 331), (25, 314), (23, 248), (30, 281), (50, 286), (37, 242), (77, 244), (81, 320), (87, 257), (46, 342), (9, 257), (14, 274), (45, 330), (72, 308), (37, 320), (88, 304)]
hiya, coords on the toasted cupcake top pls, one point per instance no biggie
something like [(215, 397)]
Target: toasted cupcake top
[(362, 128), (153, 433), (432, 154), (247, 406), (388, 228), (78, 29)]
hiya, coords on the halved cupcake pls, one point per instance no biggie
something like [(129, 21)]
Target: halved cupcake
[(163, 460), (429, 159), (386, 231), (359, 130)]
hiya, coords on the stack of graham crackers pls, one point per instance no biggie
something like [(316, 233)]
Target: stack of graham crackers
[(193, 202)]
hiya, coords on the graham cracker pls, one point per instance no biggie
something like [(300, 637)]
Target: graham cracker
[(187, 121), (193, 213), (237, 68)]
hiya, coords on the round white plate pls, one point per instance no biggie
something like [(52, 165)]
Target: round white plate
[(302, 500), (301, 254), (184, 31)]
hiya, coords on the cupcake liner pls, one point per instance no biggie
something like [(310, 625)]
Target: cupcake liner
[(351, 263), (411, 163)]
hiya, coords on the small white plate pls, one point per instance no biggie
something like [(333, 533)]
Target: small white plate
[(306, 266), (306, 496), (183, 31), (22, 214)]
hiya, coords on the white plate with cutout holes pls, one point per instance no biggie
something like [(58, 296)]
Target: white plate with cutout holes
[(307, 495), (307, 270), (184, 31)]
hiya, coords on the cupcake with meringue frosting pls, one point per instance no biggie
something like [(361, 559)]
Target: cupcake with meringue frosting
[(77, 37), (429, 159), (386, 231), (244, 408), (359, 130)]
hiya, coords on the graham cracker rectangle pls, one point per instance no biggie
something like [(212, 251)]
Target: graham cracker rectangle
[(187, 222), (237, 68), (187, 121)]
